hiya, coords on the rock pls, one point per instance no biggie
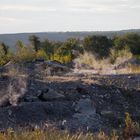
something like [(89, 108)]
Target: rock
[(2, 70), (84, 109), (31, 99), (34, 113), (136, 138), (55, 67), (85, 106), (4, 101), (51, 68), (50, 95), (108, 114), (81, 90), (86, 114)]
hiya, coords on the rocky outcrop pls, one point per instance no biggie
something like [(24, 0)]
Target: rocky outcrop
[(87, 103)]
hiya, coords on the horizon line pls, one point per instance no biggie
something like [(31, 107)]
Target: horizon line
[(34, 32)]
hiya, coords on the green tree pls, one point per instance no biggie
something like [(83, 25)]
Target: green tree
[(99, 45), (19, 44), (48, 47), (130, 41), (23, 52), (69, 46), (5, 55), (5, 48), (35, 41)]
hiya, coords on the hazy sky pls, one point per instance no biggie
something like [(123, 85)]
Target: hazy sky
[(68, 15)]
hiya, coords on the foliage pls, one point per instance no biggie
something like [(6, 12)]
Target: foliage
[(23, 53), (5, 54), (39, 134), (41, 54), (116, 50), (131, 41), (48, 47), (99, 45), (131, 128), (120, 56), (35, 41)]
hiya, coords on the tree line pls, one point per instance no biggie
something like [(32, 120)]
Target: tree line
[(70, 49)]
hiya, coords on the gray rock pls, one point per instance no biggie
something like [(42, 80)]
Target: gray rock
[(50, 95), (107, 114), (4, 101), (86, 114), (85, 106), (34, 113), (52, 67), (136, 138)]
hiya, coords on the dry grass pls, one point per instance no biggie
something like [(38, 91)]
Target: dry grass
[(119, 57), (128, 133), (39, 134), (107, 66), (90, 60), (129, 70)]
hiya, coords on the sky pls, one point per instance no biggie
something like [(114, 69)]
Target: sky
[(68, 15)]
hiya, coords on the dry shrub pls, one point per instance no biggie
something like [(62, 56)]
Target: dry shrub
[(107, 65), (41, 54), (120, 56), (131, 128), (39, 134), (90, 60), (134, 69)]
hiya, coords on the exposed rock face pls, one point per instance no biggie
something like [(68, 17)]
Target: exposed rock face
[(73, 103)]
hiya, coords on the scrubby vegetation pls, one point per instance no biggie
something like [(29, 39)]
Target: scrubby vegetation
[(96, 52), (101, 47)]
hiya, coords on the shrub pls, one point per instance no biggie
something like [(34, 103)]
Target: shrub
[(41, 54), (90, 60), (120, 56), (24, 54), (131, 128)]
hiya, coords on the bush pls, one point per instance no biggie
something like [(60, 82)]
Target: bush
[(24, 54), (97, 44), (41, 54), (120, 56), (91, 60), (131, 128)]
